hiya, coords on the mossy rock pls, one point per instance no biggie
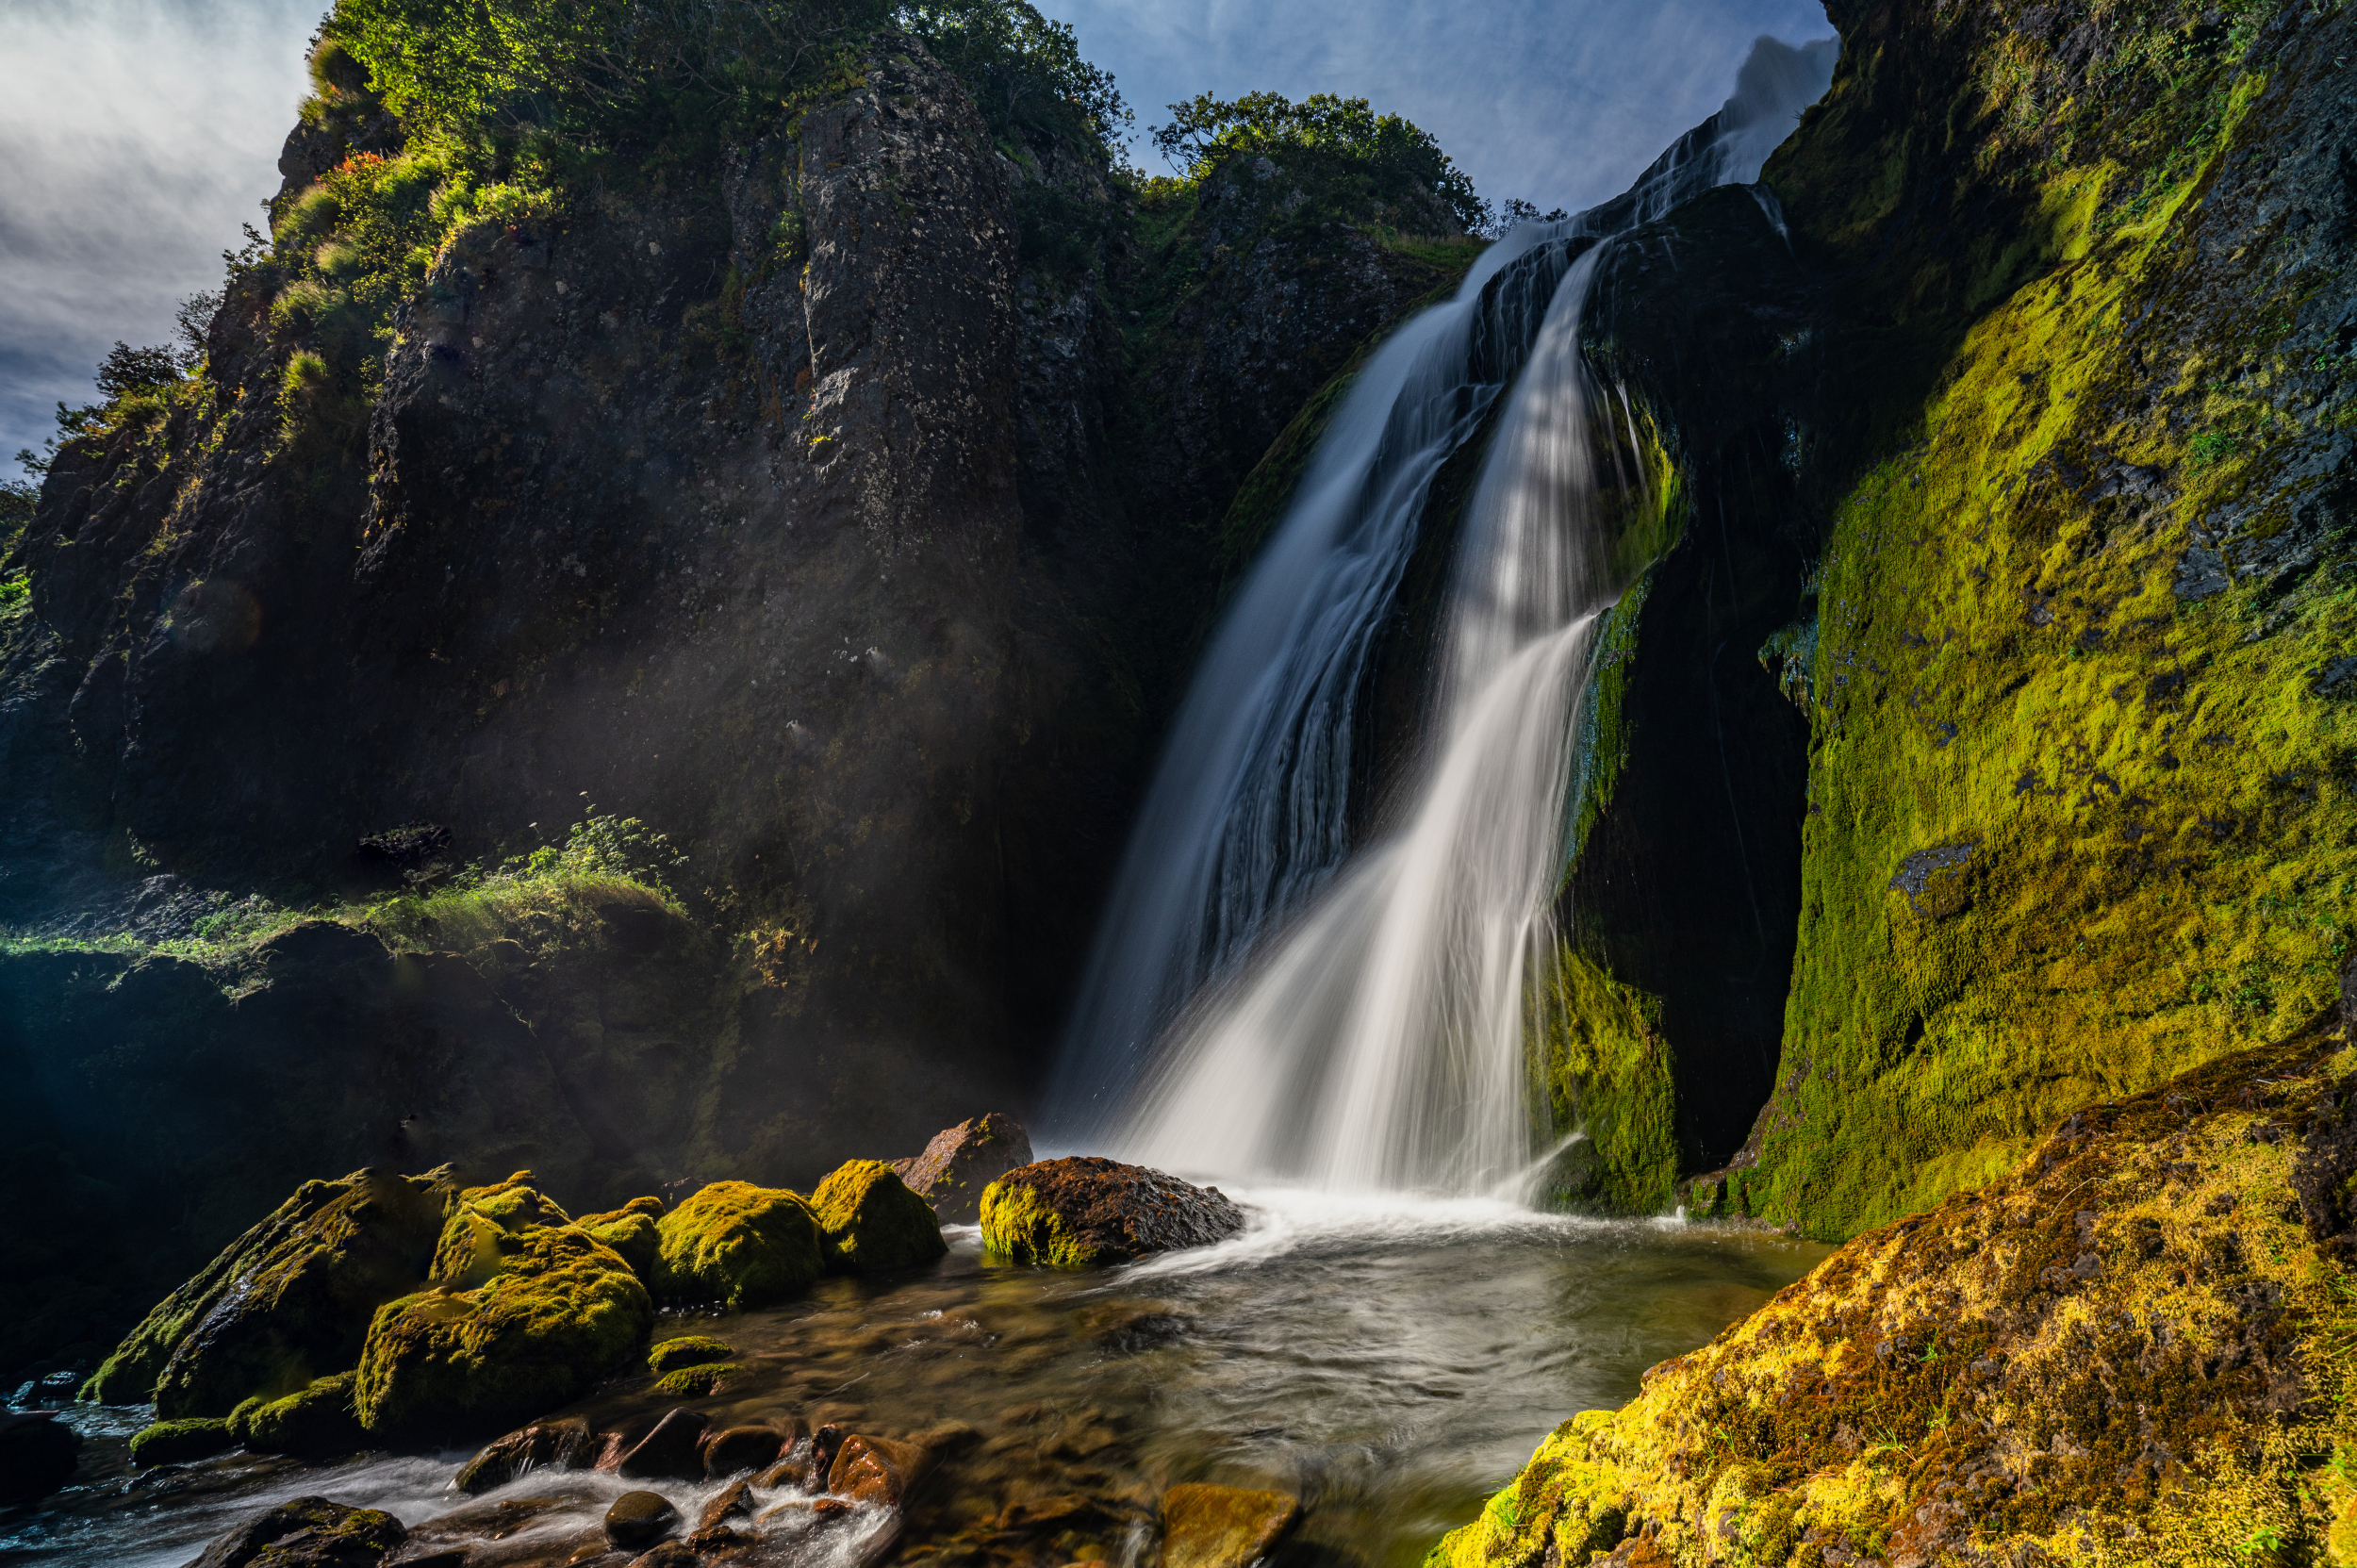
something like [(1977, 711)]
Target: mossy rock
[(631, 1231), (2135, 1347), (740, 1243), (687, 1350), (316, 1423), (1086, 1212), (872, 1223), (178, 1442), (697, 1382), (481, 1232), (1224, 1526), (285, 1303), (566, 1311)]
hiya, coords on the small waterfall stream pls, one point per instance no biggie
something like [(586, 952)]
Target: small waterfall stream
[(1264, 1003)]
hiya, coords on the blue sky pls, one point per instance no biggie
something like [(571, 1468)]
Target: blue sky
[(139, 134)]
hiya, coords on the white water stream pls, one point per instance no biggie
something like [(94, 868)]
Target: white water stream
[(1264, 1003)]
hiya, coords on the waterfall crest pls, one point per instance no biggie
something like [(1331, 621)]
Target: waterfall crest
[(1261, 1001)]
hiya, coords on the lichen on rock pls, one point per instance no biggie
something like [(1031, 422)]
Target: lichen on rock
[(565, 1310), (740, 1243), (484, 1228), (870, 1223), (1084, 1212)]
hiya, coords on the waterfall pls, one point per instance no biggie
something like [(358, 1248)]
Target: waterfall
[(1260, 1000)]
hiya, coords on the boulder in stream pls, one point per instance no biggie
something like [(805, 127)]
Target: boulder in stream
[(310, 1532), (285, 1303), (639, 1519), (631, 1231), (180, 1442), (742, 1245), (484, 1227), (1086, 1211), (566, 1444), (1223, 1526), (318, 1422), (872, 1223), (38, 1453), (961, 1160), (566, 1311)]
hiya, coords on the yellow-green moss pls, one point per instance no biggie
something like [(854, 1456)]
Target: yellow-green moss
[(566, 1311), (687, 1350), (697, 1382), (872, 1223), (318, 1422), (1020, 1228), (631, 1231), (485, 1228), (2130, 1350), (740, 1243), (1607, 1077), (178, 1442)]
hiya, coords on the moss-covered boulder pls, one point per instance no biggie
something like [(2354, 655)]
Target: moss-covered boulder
[(565, 1310), (687, 1350), (1086, 1211), (869, 1222), (310, 1532), (287, 1302), (318, 1422), (2134, 1348), (178, 1442), (961, 1160), (631, 1231), (480, 1232), (739, 1243)]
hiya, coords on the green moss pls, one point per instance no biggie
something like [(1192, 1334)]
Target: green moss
[(687, 1350), (740, 1243), (178, 1442), (318, 1422), (1607, 1077), (872, 1223), (631, 1231), (486, 1228), (286, 1301), (2070, 1366), (566, 1311), (696, 1382), (1020, 1228)]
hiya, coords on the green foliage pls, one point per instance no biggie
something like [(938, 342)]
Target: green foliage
[(1023, 69), (1207, 132), (126, 370)]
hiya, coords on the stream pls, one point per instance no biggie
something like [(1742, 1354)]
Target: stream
[(1389, 1361)]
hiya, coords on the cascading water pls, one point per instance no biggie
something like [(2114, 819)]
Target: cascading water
[(1358, 1021)]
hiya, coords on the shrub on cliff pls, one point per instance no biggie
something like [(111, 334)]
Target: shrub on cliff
[(1390, 153)]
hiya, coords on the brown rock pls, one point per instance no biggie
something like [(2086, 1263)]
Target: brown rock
[(671, 1554), (961, 1160), (1085, 1211), (566, 1444), (742, 1449), (875, 1470), (673, 1449), (1223, 1526), (737, 1499)]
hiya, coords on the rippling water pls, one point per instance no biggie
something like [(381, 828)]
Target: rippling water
[(1388, 1363)]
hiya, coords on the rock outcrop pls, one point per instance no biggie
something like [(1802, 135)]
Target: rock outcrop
[(1084, 1212)]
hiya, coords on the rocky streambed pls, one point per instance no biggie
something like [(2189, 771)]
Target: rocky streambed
[(1338, 1381)]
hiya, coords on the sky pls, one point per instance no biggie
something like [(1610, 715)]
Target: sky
[(137, 135)]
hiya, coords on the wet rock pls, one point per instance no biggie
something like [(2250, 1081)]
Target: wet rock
[(1223, 1526), (485, 1230), (672, 1449), (739, 1243), (310, 1532), (178, 1442), (641, 1519), (875, 1470), (960, 1160), (471, 1532), (566, 1444), (741, 1449), (697, 1382), (872, 1223), (285, 1303), (687, 1350), (671, 1554), (318, 1422), (1086, 1211), (1142, 1332), (566, 1311), (37, 1455), (631, 1231), (733, 1503)]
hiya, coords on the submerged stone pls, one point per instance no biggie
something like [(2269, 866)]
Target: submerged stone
[(1223, 1526), (287, 1303), (566, 1311), (740, 1243), (961, 1160), (1086, 1211), (872, 1223), (639, 1519)]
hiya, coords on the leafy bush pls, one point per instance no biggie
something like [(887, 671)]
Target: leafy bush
[(126, 370), (1207, 132)]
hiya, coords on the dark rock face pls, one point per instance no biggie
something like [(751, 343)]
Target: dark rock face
[(37, 1455), (673, 1448), (961, 1160), (1086, 1211), (566, 1444), (310, 1532)]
